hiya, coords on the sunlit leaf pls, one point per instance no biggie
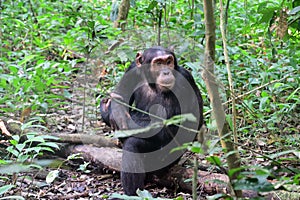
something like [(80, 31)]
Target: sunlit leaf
[(127, 133), (6, 188), (50, 144), (52, 175), (295, 10), (143, 193), (178, 119)]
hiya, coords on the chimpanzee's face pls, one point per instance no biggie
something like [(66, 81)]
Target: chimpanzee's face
[(161, 69), (160, 66)]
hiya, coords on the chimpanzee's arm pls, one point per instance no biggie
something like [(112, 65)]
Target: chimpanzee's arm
[(192, 82), (113, 113)]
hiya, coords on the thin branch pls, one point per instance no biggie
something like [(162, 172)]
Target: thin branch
[(226, 15), (159, 26), (231, 88), (195, 178)]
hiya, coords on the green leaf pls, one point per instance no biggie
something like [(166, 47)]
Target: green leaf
[(27, 59), (13, 142), (50, 137), (196, 148), (33, 149), (52, 176), (50, 144), (292, 95), (275, 155), (263, 102), (297, 153), (264, 94), (179, 148), (267, 16), (20, 147), (6, 188), (294, 10), (125, 197), (215, 160), (219, 196), (16, 138), (3, 162), (144, 193), (151, 6), (233, 171), (13, 151), (19, 23), (67, 94), (277, 85), (13, 197), (74, 156), (36, 166), (7, 77), (22, 158), (178, 119), (35, 139), (127, 133)]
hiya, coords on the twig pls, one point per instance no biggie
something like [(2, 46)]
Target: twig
[(195, 178), (223, 33)]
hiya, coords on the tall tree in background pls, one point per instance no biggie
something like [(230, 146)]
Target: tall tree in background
[(122, 14), (233, 158)]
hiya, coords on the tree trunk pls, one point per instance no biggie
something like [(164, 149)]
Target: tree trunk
[(233, 159), (122, 15)]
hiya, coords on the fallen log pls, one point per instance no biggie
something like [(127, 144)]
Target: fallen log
[(103, 157), (110, 158), (11, 127), (95, 140), (208, 183)]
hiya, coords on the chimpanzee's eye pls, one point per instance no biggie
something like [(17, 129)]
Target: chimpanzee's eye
[(168, 62)]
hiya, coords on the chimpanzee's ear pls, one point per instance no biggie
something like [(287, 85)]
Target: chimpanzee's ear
[(139, 59)]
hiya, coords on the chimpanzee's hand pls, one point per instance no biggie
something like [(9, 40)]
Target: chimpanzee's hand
[(105, 110), (119, 115)]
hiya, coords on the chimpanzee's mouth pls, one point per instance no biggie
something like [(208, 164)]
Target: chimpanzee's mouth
[(166, 86)]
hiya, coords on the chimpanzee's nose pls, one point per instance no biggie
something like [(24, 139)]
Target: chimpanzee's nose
[(166, 73)]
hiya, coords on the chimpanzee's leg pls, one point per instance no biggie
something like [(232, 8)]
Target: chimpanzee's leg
[(132, 173)]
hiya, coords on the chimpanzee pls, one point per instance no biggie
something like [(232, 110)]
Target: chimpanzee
[(157, 86)]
